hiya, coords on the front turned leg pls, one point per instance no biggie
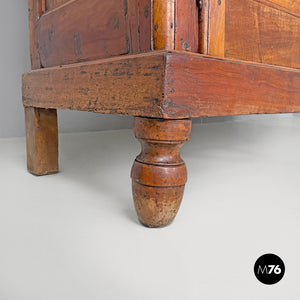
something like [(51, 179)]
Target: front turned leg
[(159, 174), (41, 140)]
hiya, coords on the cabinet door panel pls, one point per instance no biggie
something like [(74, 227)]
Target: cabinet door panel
[(258, 32), (266, 31), (84, 30)]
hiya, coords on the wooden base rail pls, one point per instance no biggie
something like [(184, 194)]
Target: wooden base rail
[(164, 84)]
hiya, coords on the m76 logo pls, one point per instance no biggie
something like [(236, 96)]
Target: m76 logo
[(269, 269)]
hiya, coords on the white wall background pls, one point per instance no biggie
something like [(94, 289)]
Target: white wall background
[(14, 60)]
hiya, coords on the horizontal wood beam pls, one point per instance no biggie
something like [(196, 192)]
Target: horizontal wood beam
[(130, 85), (164, 84), (198, 86)]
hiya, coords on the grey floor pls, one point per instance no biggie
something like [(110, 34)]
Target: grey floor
[(75, 235)]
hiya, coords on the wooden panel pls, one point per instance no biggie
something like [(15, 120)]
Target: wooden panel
[(291, 6), (258, 32), (204, 86), (187, 25), (51, 4), (139, 25), (85, 30), (216, 34), (124, 85), (195, 86)]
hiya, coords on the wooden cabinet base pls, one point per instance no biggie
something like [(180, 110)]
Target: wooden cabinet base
[(41, 140), (158, 173), (163, 90)]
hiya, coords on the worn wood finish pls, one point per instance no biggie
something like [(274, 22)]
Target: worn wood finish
[(166, 85), (266, 34), (42, 140), (164, 24), (41, 124), (158, 173), (139, 25), (216, 34), (187, 25), (124, 85), (204, 86), (35, 8), (87, 30), (263, 31), (203, 26), (163, 89), (292, 7)]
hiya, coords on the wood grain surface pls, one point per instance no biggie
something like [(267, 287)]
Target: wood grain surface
[(159, 173), (187, 25), (256, 31), (41, 124), (166, 84), (51, 4), (163, 24), (85, 30), (265, 31), (125, 85), (204, 86), (35, 9), (42, 140)]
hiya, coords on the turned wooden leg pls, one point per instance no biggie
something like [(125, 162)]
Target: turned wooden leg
[(158, 173), (41, 140)]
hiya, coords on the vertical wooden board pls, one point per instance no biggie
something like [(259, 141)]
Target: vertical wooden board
[(163, 24), (145, 25), (187, 26), (261, 33), (203, 26), (35, 8), (216, 29), (139, 23)]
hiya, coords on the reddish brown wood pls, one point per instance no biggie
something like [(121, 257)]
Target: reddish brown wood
[(216, 33), (139, 25), (42, 140), (204, 86), (164, 24), (35, 8), (264, 32), (158, 173), (51, 4), (82, 30), (203, 25), (85, 30), (125, 85), (41, 124), (166, 85), (187, 25), (169, 87), (291, 7)]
